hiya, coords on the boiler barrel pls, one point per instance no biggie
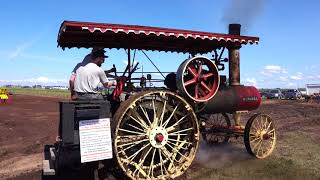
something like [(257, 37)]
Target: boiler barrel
[(233, 98)]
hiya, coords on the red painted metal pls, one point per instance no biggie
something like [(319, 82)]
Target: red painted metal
[(159, 137), (199, 79), (248, 98), (87, 34), (118, 90), (232, 99)]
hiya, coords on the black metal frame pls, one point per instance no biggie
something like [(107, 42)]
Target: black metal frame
[(71, 112)]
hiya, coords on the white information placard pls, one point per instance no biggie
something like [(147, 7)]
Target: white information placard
[(95, 140)]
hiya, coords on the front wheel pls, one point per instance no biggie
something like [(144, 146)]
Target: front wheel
[(260, 136)]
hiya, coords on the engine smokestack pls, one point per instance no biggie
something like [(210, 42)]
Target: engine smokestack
[(234, 57), (234, 29)]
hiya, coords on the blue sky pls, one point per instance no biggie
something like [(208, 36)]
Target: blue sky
[(287, 55)]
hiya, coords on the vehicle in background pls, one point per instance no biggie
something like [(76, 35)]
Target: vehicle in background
[(263, 94), (304, 94), (275, 94), (292, 94), (312, 89)]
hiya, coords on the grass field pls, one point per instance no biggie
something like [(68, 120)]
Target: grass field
[(41, 92), (298, 160)]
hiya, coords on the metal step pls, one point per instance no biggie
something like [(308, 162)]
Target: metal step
[(47, 171)]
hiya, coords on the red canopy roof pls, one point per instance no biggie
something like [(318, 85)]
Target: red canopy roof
[(86, 34)]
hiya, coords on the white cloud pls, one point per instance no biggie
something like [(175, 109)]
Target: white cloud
[(298, 76), (269, 70), (292, 84), (38, 80), (251, 81), (295, 77), (275, 69), (311, 68), (266, 73), (283, 78), (126, 62)]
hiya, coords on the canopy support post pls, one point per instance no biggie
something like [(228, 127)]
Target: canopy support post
[(129, 66)]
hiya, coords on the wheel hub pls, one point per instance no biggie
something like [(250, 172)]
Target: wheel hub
[(158, 137), (264, 135)]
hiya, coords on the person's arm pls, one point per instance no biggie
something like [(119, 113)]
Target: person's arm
[(110, 83), (71, 85), (105, 81)]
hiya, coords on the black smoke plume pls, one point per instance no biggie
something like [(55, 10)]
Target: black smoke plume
[(243, 12)]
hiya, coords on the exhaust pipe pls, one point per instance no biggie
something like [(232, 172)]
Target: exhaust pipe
[(234, 57)]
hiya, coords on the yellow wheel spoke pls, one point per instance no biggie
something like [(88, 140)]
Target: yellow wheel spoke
[(141, 161), (265, 123), (129, 131), (155, 122), (134, 142), (254, 126), (179, 141), (175, 132), (140, 122), (136, 127), (255, 139), (166, 153), (163, 112), (167, 121), (177, 151), (131, 136), (271, 131), (161, 163), (179, 121), (136, 153), (176, 145), (152, 163), (254, 147), (260, 123), (145, 113), (269, 125)]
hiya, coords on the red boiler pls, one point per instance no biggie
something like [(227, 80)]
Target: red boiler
[(232, 99)]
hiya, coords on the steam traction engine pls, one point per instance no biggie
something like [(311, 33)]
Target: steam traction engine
[(156, 131)]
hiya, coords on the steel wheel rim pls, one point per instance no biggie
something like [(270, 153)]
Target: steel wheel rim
[(159, 151), (214, 122), (262, 136)]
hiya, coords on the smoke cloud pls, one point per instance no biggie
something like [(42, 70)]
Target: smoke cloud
[(243, 12), (222, 155)]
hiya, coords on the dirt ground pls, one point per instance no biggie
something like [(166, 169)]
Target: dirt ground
[(30, 122)]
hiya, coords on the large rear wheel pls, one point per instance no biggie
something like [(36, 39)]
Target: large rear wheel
[(156, 135)]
